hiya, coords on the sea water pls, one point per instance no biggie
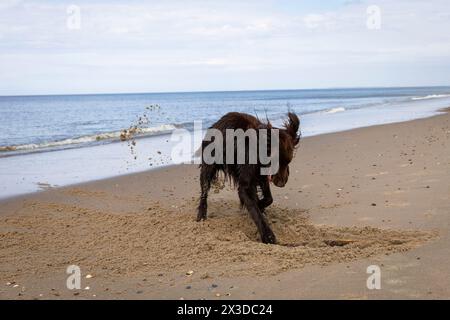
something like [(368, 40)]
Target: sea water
[(49, 141)]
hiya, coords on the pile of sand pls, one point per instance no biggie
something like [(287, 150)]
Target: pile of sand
[(162, 240)]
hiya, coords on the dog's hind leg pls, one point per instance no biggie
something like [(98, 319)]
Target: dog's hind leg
[(207, 175)]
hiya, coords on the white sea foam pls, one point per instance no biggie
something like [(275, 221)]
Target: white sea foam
[(432, 96), (335, 110), (116, 135)]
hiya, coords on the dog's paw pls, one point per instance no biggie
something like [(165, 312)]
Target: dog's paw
[(200, 217), (269, 238)]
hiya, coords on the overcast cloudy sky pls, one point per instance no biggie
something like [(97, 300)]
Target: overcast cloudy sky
[(155, 46)]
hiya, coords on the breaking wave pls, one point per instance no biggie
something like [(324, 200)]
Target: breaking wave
[(112, 136), (335, 110), (431, 96)]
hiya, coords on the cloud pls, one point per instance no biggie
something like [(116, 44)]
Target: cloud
[(313, 21), (162, 46), (5, 4), (210, 62)]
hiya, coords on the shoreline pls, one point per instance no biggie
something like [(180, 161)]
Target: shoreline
[(436, 113), (383, 189), (10, 151)]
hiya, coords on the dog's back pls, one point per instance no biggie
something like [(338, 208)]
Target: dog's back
[(236, 120), (233, 121)]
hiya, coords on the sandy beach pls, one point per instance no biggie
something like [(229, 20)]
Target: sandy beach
[(372, 196)]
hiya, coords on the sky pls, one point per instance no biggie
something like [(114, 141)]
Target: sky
[(77, 46)]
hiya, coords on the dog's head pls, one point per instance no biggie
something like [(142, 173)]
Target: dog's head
[(289, 138)]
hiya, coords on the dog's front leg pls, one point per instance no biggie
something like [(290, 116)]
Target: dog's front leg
[(267, 199), (249, 198)]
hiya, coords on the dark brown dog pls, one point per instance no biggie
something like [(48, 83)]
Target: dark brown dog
[(248, 176)]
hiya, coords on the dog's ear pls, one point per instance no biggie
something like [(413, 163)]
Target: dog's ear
[(292, 126)]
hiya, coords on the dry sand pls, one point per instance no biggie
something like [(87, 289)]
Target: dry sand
[(377, 195)]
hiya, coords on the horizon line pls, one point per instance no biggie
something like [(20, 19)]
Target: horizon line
[(220, 91)]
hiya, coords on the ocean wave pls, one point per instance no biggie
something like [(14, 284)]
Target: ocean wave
[(335, 110), (113, 136), (431, 96)]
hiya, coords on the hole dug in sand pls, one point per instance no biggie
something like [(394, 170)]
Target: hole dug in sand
[(293, 229), (235, 238)]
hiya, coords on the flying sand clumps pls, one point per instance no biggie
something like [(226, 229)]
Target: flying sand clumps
[(137, 128)]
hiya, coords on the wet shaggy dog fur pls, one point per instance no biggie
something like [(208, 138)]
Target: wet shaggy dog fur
[(247, 177)]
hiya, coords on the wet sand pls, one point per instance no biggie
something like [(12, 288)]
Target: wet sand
[(370, 196)]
